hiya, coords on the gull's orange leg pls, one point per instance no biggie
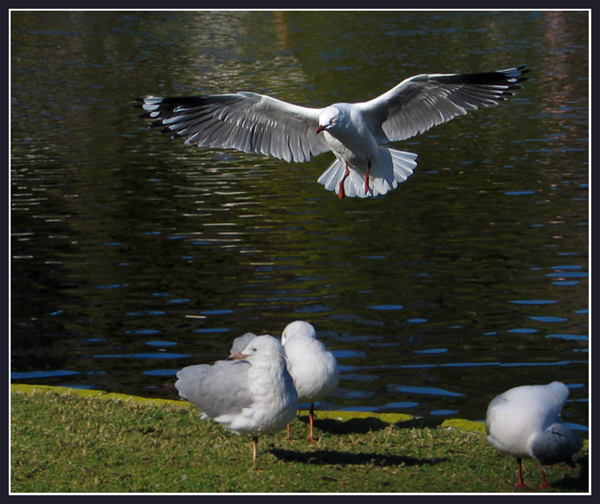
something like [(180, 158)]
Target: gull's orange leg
[(311, 415), (341, 192), (520, 482), (254, 450), (369, 166)]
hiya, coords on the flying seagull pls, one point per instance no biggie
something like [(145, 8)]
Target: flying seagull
[(251, 393), (525, 422), (355, 132)]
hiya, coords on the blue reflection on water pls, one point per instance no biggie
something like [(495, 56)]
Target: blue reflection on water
[(519, 193), (347, 354), (42, 374), (431, 351), (400, 405), (571, 274), (534, 364), (470, 364), (569, 337), (421, 390), (161, 372), (548, 319), (389, 307)]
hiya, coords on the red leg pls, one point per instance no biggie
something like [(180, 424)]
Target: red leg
[(520, 484), (254, 449), (289, 431), (367, 176), (544, 485), (341, 192), (311, 415)]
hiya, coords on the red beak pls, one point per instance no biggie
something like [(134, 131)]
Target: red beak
[(320, 128)]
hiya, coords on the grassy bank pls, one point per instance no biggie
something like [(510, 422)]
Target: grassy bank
[(68, 440)]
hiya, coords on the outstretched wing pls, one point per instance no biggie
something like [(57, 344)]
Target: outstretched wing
[(248, 122), (424, 101)]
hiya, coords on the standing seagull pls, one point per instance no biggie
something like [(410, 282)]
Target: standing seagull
[(354, 132), (525, 423), (313, 367), (249, 394)]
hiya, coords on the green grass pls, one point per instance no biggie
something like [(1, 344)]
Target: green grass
[(66, 440)]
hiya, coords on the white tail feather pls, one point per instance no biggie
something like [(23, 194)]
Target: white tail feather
[(395, 167)]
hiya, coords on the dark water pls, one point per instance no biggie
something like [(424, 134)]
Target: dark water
[(134, 255)]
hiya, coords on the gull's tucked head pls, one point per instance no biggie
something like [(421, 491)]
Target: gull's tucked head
[(298, 328)]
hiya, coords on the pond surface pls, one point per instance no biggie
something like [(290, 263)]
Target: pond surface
[(133, 255)]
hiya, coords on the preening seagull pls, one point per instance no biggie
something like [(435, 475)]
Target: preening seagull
[(525, 422), (354, 132), (249, 394), (313, 367)]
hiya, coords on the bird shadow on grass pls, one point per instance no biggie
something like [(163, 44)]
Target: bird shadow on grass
[(579, 483), (331, 457)]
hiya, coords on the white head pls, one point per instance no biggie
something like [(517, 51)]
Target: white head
[(260, 348), (329, 118), (298, 328)]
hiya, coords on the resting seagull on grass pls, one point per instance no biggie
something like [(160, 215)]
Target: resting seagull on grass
[(354, 132), (250, 394), (313, 367)]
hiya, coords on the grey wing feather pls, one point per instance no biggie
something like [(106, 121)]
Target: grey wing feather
[(218, 389), (424, 101), (242, 342), (248, 122)]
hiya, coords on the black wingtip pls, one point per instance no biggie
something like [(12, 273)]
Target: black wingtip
[(523, 69)]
